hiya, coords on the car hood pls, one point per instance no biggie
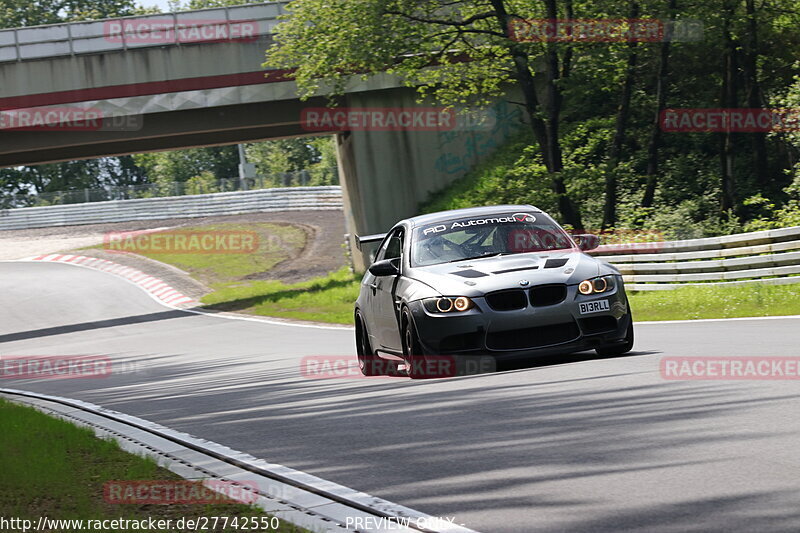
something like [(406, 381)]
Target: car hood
[(479, 276)]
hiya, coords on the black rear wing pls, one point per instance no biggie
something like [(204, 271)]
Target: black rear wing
[(366, 239)]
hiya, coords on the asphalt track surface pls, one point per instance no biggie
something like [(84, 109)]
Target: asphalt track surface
[(569, 444)]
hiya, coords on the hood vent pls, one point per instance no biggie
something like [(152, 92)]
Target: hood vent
[(555, 263), (469, 274), (515, 269)]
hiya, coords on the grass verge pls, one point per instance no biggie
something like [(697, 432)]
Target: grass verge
[(490, 182), (239, 284), (51, 468), (276, 243), (330, 299), (234, 278), (690, 303), (326, 299)]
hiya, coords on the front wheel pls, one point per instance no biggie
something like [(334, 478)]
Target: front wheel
[(412, 349), (618, 349), (369, 363)]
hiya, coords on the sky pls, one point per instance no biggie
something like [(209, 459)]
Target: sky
[(161, 4)]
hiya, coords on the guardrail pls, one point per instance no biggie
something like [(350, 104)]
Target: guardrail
[(296, 497), (95, 36), (304, 178), (768, 257), (200, 205)]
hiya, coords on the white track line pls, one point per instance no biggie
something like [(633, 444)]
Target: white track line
[(181, 302), (177, 301), (703, 320)]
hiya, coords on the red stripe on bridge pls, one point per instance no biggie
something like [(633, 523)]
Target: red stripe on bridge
[(146, 88)]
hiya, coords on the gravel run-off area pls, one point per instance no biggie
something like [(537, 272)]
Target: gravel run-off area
[(323, 253)]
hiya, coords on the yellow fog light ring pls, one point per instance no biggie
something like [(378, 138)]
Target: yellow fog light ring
[(600, 285), (462, 303), (444, 305), (586, 287)]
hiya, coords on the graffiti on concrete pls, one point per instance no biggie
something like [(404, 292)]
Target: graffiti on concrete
[(462, 149)]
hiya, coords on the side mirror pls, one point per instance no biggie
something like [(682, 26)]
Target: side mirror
[(384, 268), (586, 241)]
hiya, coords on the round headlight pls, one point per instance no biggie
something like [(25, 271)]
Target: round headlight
[(462, 303), (444, 305), (585, 287), (600, 285)]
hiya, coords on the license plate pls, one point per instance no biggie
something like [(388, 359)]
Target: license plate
[(593, 307)]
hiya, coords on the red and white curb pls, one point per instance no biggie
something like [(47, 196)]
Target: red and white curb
[(154, 286)]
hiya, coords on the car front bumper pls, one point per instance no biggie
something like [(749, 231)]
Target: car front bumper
[(526, 332)]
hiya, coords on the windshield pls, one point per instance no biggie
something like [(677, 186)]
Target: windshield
[(485, 236)]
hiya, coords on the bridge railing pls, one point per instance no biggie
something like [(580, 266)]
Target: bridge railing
[(768, 257), (201, 205), (137, 31)]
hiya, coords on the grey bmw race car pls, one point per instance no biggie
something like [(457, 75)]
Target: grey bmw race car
[(505, 281)]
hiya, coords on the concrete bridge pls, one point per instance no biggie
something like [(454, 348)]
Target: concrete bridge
[(194, 78)]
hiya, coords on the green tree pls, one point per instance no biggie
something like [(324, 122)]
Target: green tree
[(317, 155), (203, 183), (272, 158), (324, 171), (181, 165), (18, 13), (70, 175), (198, 167), (471, 43)]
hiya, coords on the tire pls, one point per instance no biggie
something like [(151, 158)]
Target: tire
[(369, 363), (618, 349), (412, 349)]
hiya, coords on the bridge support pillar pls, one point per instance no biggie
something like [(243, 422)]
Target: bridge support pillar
[(385, 175)]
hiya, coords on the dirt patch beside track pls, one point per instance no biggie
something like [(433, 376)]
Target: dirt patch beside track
[(323, 253)]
